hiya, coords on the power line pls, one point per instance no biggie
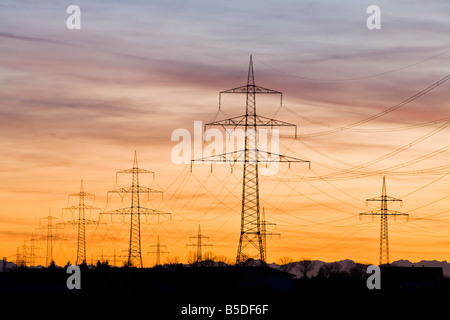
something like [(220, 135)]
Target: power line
[(356, 78), (377, 115)]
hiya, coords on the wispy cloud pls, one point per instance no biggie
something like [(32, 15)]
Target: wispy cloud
[(78, 103), (32, 39)]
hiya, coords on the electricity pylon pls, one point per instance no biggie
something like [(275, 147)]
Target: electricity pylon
[(81, 222), (199, 244), (251, 237), (158, 251), (50, 237), (104, 258), (19, 258), (114, 256), (22, 256), (264, 232), (27, 257), (384, 213), (32, 248), (135, 211)]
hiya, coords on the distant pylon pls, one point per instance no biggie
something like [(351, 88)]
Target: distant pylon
[(135, 211), (384, 213), (19, 260), (199, 244), (250, 236), (26, 255), (49, 238), (158, 251), (264, 232), (81, 222), (115, 256), (22, 255), (33, 249), (105, 258)]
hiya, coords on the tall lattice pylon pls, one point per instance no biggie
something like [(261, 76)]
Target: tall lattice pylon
[(33, 249), (158, 251), (251, 239), (265, 232), (23, 255), (81, 222), (384, 213), (50, 237), (19, 258), (199, 237), (135, 211)]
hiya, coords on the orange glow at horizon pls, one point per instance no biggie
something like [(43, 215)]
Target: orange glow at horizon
[(77, 105)]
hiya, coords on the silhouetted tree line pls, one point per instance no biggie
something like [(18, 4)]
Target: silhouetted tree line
[(333, 276), (333, 271), (328, 271)]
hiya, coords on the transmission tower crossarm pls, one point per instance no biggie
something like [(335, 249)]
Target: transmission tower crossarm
[(265, 156), (239, 156), (130, 210), (139, 189), (135, 170), (251, 88), (396, 213), (157, 245), (82, 194), (49, 217), (260, 121), (233, 122), (77, 221), (384, 198), (81, 206), (387, 212), (270, 122)]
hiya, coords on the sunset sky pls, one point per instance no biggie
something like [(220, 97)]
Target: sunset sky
[(76, 104)]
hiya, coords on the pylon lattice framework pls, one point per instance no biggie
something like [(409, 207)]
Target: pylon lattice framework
[(384, 213), (158, 251), (251, 235), (265, 232), (81, 222), (24, 258), (135, 211), (199, 244), (33, 249), (50, 237)]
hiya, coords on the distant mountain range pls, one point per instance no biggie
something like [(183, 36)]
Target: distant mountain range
[(347, 265), (425, 263), (6, 266), (294, 267)]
